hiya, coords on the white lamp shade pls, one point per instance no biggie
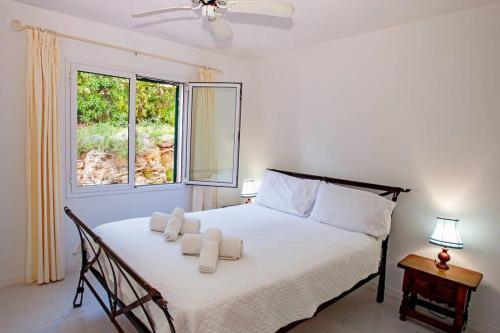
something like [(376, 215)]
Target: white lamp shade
[(446, 234), (248, 190)]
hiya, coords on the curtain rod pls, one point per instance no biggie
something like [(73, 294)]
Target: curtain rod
[(17, 25)]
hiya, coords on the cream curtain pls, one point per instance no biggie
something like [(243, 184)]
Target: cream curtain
[(203, 150), (44, 253)]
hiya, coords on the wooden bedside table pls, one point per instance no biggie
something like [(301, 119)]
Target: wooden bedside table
[(452, 287)]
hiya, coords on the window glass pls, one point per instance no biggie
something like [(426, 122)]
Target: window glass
[(156, 124), (102, 129), (214, 127)]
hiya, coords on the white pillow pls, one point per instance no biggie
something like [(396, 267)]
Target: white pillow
[(287, 194), (353, 210)]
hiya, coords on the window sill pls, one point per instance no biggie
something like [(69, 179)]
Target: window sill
[(136, 190)]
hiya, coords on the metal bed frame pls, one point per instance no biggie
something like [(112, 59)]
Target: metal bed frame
[(108, 268)]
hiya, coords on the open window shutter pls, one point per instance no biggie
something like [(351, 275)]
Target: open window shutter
[(213, 134)]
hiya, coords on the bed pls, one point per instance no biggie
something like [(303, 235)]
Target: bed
[(292, 268)]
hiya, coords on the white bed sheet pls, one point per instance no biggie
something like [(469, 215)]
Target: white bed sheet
[(291, 265)]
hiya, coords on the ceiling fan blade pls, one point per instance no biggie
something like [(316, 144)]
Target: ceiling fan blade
[(161, 11), (220, 28), (270, 8)]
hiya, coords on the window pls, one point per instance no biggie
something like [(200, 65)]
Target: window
[(127, 131), (213, 124)]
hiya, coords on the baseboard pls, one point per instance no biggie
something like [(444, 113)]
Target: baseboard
[(5, 282), (476, 325)]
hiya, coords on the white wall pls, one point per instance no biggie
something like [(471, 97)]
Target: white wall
[(415, 106), (93, 210)]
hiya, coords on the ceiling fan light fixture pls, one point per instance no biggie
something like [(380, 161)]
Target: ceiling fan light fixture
[(210, 12)]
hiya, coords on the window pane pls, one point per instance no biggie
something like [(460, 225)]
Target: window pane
[(102, 129), (156, 116), (213, 125)]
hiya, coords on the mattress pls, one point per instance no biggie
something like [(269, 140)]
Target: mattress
[(290, 266)]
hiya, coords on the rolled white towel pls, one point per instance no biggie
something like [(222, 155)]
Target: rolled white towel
[(191, 244), (190, 225), (179, 212), (172, 229), (231, 248), (158, 221), (213, 233), (209, 253)]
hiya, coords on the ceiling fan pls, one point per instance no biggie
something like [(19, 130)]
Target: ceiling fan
[(214, 11)]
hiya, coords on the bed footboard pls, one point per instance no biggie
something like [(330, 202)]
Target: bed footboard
[(114, 274)]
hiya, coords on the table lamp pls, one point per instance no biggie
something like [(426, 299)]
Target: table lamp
[(446, 235), (248, 191)]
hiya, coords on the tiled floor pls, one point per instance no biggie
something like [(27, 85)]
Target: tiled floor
[(48, 309)]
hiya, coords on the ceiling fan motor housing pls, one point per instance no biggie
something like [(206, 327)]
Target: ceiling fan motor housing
[(217, 3)]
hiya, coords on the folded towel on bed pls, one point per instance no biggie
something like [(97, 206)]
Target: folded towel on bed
[(190, 225), (173, 228), (213, 233), (209, 253), (158, 221), (231, 248), (179, 212)]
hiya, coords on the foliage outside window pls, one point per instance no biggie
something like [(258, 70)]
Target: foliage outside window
[(103, 123), (156, 109)]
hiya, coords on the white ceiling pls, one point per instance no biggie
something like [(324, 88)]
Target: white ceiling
[(315, 21)]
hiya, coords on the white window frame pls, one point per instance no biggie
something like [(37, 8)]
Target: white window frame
[(94, 190), (236, 145)]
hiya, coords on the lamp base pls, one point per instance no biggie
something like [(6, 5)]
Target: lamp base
[(443, 257)]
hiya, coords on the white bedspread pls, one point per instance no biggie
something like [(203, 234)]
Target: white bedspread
[(290, 266)]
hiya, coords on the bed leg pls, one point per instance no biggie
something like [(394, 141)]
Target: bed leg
[(77, 301), (381, 290), (381, 271)]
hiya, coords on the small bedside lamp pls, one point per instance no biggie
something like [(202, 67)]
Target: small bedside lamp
[(446, 235), (248, 191)]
